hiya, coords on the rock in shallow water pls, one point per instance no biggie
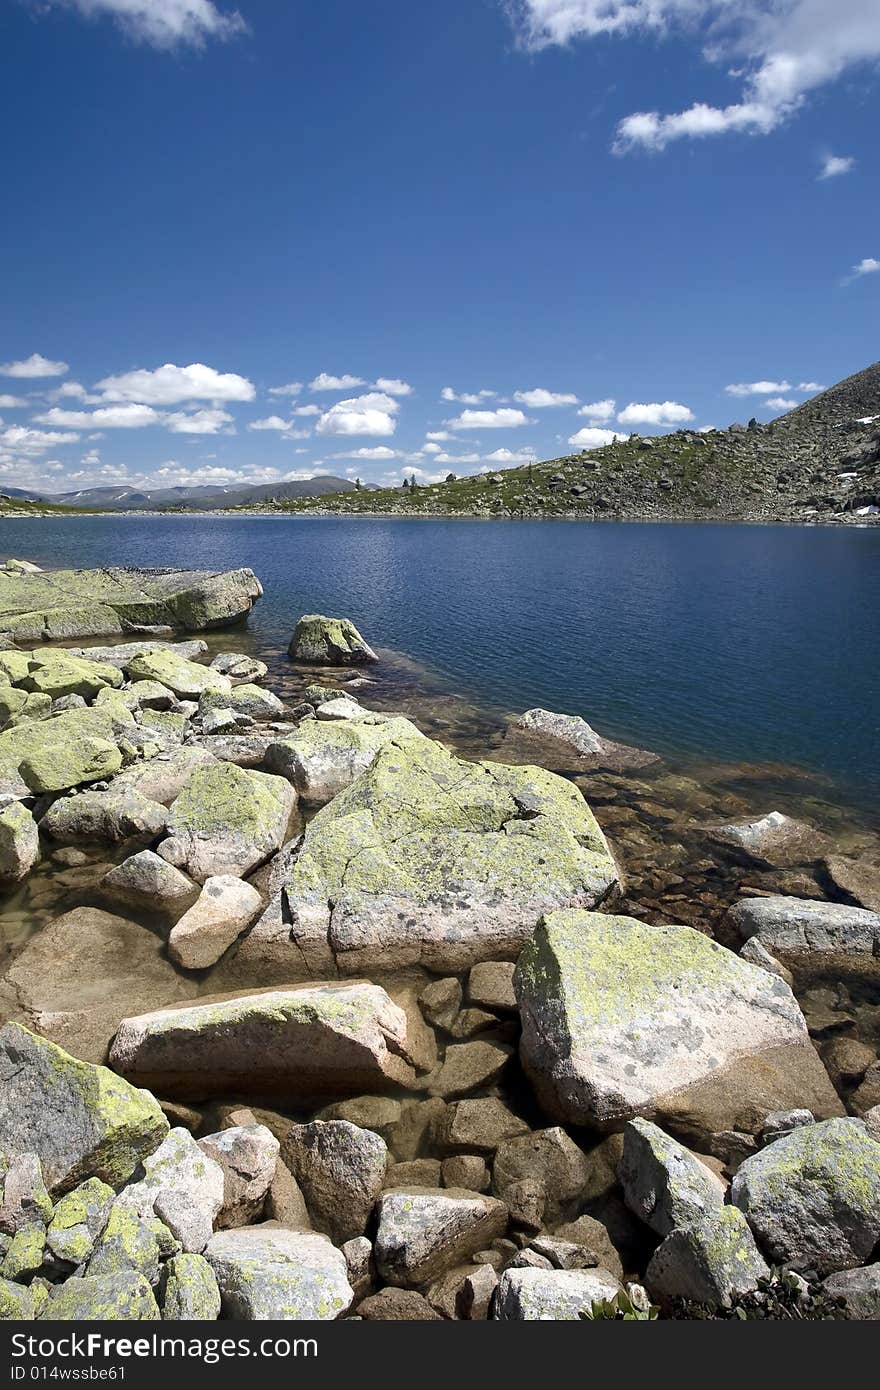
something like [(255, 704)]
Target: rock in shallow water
[(812, 937), (329, 642), (19, 843)]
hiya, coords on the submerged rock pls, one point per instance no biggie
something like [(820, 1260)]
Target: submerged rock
[(858, 879), (329, 642), (812, 937), (622, 1019), (773, 842), (227, 820), (267, 1272)]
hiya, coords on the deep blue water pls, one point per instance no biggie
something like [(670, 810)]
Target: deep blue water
[(740, 643)]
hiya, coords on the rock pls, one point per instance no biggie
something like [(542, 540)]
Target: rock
[(708, 1261), (191, 1293), (774, 842), (662, 1183), (812, 937), (267, 1272), (846, 1061), (239, 667), (440, 1002), (468, 1067), (564, 1254), (466, 1170), (783, 1122), (16, 1303), (104, 815), (858, 879), (551, 1295), (164, 777), (621, 1019), (182, 1185), (548, 1157), (491, 984), (247, 1155), (419, 1122), (121, 654), (59, 673), (346, 708), (130, 1242), (227, 820), (568, 729), (756, 954), (477, 1293), (26, 1205), (417, 1172), (526, 1201), (74, 980), (122, 1297), (53, 755), (860, 1291), (340, 1170), (77, 1221), (866, 1097), (812, 1198), (19, 843), (871, 1121), (423, 1231), (329, 642), (588, 1233), (310, 1042), (147, 883), (249, 700), (427, 859), (397, 1305), (478, 1125), (80, 1119), (188, 679), (359, 1263), (379, 1113), (225, 908), (285, 1202), (321, 760)]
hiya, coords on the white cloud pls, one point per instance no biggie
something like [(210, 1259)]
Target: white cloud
[(457, 458), (164, 23), (292, 388), (834, 165), (781, 403), (421, 475), (306, 410), (380, 452), (34, 366), (539, 398), (324, 382), (509, 456), (466, 397), (370, 414), (869, 266), (21, 439), (13, 402), (503, 419), (440, 435), (271, 422), (393, 386), (111, 417), (781, 50), (593, 438), (655, 413), (759, 388), (171, 385), (430, 448), (810, 387), (199, 422), (599, 410)]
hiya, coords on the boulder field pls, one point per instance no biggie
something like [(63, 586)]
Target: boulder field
[(337, 1023)]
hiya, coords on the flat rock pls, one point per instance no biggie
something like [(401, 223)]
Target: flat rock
[(773, 842), (477, 1126), (423, 1231), (551, 1295), (858, 879), (812, 937), (267, 1272), (469, 1067), (322, 759), (490, 985)]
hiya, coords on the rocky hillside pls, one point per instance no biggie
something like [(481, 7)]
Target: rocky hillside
[(820, 462)]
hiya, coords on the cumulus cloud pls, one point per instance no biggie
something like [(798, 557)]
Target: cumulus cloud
[(465, 397), (370, 414), (810, 387), (34, 366), (164, 23), (503, 419), (393, 386), (440, 435), (591, 437), (599, 410), (781, 51), (655, 413), (834, 165), (457, 458), (324, 382), (13, 402), (111, 417), (539, 399), (213, 421), (510, 456), (759, 388), (378, 452), (292, 388), (307, 410), (781, 403), (171, 385), (868, 266), (24, 440)]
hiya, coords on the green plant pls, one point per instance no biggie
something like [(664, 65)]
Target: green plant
[(632, 1305)]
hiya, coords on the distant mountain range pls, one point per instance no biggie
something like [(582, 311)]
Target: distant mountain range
[(130, 499)]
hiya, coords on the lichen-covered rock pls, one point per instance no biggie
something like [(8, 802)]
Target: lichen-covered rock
[(551, 1295), (19, 842), (423, 1231), (148, 883), (77, 1221), (322, 759), (860, 1291), (188, 679), (340, 1170), (25, 1203), (191, 1293), (708, 1261), (812, 937), (428, 859), (130, 1241), (329, 642), (80, 1119), (311, 1042), (164, 777), (104, 815), (812, 1198), (247, 699), (622, 1019), (58, 673), (662, 1183), (239, 667), (267, 1272), (69, 749), (16, 1302), (227, 820), (24, 1257), (125, 1296), (247, 1155), (182, 1185), (225, 907)]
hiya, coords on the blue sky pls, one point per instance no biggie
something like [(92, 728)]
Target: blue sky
[(461, 232)]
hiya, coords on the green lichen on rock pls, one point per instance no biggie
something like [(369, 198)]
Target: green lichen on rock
[(188, 679), (228, 819), (709, 1261), (19, 842), (58, 673), (131, 1242), (78, 1219), (16, 1302), (24, 1257), (123, 1297), (69, 749), (322, 758), (191, 1293), (324, 641)]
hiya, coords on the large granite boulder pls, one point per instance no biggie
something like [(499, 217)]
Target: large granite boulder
[(329, 642), (622, 1019), (664, 1184), (323, 1040), (164, 777), (109, 815), (551, 1295), (321, 759), (812, 1198), (81, 1120), (72, 748), (426, 859), (810, 937), (227, 820), (267, 1272), (424, 1231)]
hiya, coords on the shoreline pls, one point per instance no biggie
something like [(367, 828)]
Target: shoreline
[(630, 519)]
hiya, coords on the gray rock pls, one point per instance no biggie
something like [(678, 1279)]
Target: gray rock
[(329, 642), (551, 1295), (440, 1002), (397, 1305), (147, 883), (183, 1186), (239, 667), (860, 1291), (858, 879), (164, 777), (422, 1232), (340, 1170), (322, 759), (707, 1262), (104, 815), (267, 1272), (191, 1293), (468, 1067), (812, 937), (77, 1221), (130, 1242), (25, 1203), (568, 729), (477, 1293), (122, 1297), (227, 820), (547, 1157), (19, 842), (358, 1254), (16, 1302), (225, 908), (247, 1155), (491, 984), (124, 652), (783, 1122), (466, 1170), (379, 1113), (813, 1197), (773, 842), (477, 1125), (664, 1184), (246, 699)]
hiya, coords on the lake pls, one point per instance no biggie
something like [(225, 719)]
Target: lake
[(752, 644)]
